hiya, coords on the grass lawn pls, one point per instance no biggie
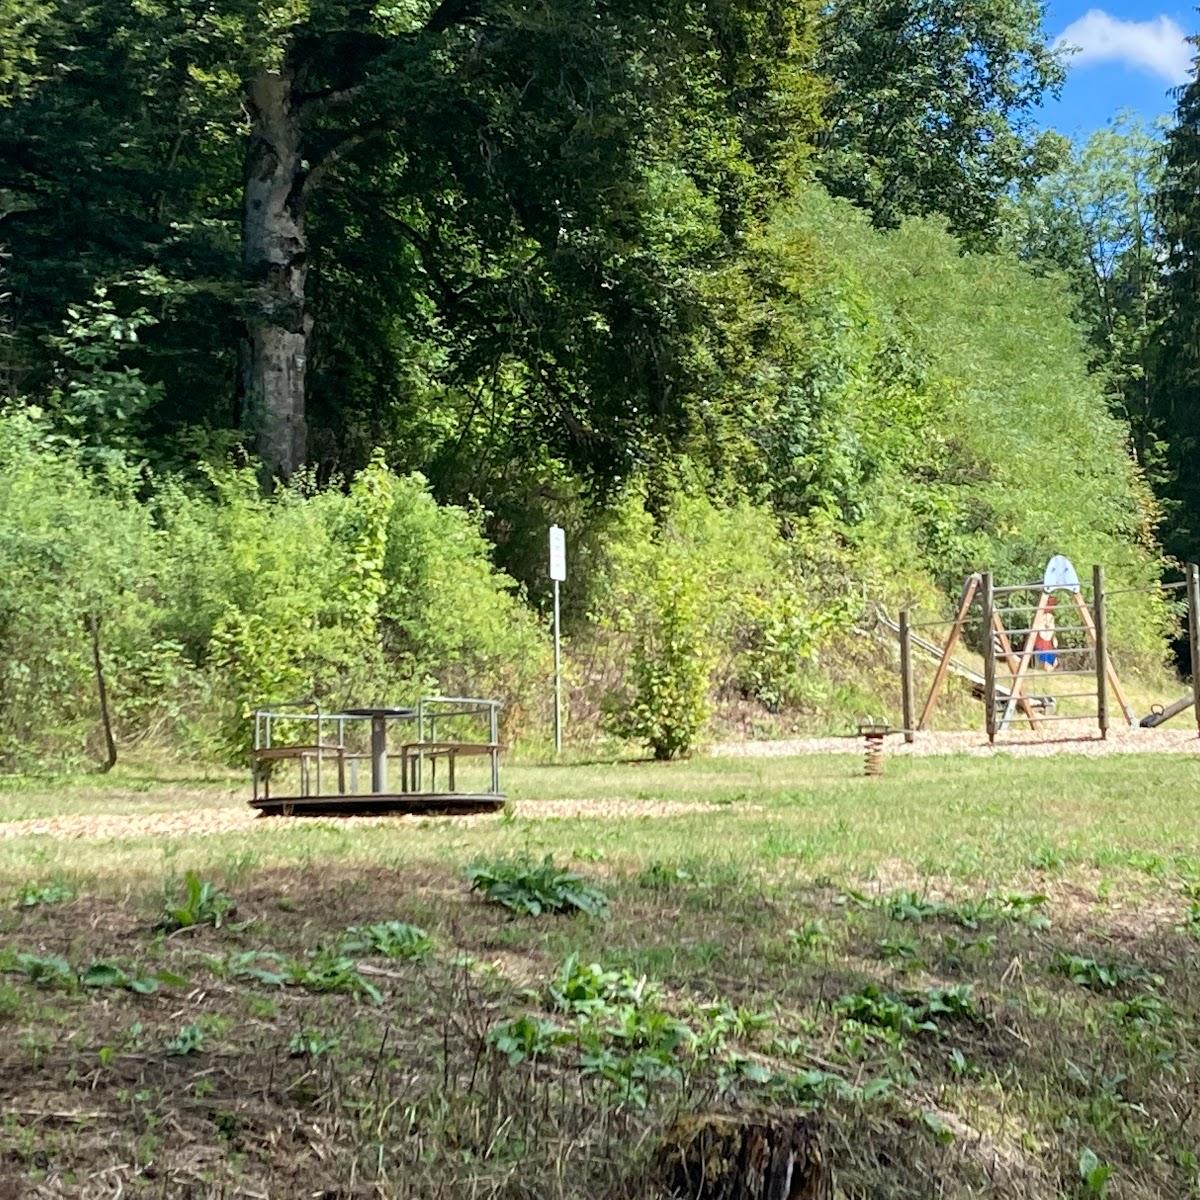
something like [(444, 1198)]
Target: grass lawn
[(980, 976)]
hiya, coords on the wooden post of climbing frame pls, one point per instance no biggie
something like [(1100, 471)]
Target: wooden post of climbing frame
[(1004, 646), (1114, 684), (989, 655), (964, 607), (1101, 649), (1193, 595), (1025, 663), (906, 675)]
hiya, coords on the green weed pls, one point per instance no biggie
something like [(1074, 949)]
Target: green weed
[(29, 895), (329, 971), (312, 1045), (189, 1040), (900, 950), (534, 888), (970, 914), (588, 988), (906, 1013), (45, 971), (526, 1037), (1094, 1174), (1098, 976), (390, 939), (11, 1002), (660, 877), (198, 902), (1142, 1012), (109, 975), (254, 967), (622, 1032), (806, 940), (1046, 858)]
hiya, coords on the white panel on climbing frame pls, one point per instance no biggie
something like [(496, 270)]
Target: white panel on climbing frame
[(1060, 576)]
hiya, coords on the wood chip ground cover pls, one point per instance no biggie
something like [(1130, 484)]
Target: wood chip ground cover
[(765, 902)]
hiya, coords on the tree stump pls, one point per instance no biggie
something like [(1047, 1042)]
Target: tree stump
[(733, 1158)]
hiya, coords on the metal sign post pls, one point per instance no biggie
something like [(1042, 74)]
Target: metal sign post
[(558, 573)]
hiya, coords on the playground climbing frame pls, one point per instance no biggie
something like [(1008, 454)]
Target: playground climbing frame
[(1024, 615)]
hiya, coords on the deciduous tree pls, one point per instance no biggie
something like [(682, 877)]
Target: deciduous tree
[(541, 179), (930, 106), (1094, 219)]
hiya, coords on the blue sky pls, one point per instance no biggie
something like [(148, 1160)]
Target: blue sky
[(1132, 55)]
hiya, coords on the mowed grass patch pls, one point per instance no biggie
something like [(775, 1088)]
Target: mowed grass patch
[(957, 817), (979, 973)]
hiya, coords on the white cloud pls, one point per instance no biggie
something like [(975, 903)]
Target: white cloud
[(1158, 45)]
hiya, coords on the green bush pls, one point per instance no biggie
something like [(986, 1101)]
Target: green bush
[(74, 546), (270, 596), (449, 618), (666, 703)]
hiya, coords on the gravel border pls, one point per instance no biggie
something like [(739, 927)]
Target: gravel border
[(1067, 738)]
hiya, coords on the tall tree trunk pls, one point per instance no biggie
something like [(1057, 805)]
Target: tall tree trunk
[(274, 255)]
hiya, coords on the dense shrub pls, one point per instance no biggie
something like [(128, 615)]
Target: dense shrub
[(448, 616), (211, 600), (73, 547), (666, 701), (711, 603)]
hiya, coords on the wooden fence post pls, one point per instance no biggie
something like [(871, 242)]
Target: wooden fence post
[(989, 655), (906, 676), (1101, 649)]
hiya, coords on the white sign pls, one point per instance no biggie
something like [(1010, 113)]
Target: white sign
[(558, 554)]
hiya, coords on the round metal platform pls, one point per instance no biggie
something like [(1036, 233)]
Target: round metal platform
[(380, 803)]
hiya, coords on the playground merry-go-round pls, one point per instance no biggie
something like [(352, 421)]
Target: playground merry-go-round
[(440, 756)]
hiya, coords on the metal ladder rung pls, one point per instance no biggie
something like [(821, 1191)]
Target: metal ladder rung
[(1065, 674), (1059, 717), (1040, 629)]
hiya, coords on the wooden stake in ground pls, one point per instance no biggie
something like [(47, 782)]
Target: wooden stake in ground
[(1101, 649), (989, 655), (110, 744), (1193, 596), (906, 675)]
